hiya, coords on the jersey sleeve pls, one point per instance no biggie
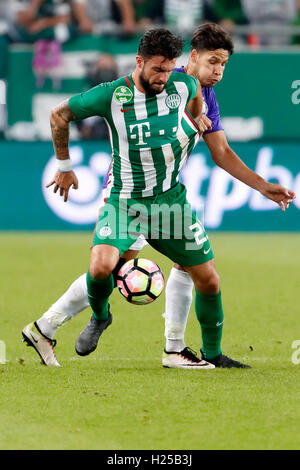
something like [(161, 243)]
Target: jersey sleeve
[(192, 84), (213, 113), (93, 102)]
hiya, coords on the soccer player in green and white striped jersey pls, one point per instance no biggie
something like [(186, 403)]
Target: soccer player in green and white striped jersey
[(149, 174), (151, 134), (150, 115)]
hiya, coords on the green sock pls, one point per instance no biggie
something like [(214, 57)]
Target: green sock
[(209, 312), (98, 295)]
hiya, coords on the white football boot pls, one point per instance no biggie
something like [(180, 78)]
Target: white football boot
[(185, 359), (33, 336)]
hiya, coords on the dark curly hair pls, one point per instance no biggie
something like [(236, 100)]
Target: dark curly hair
[(211, 36), (160, 42)]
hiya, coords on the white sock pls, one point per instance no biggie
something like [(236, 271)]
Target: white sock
[(72, 302), (179, 297)]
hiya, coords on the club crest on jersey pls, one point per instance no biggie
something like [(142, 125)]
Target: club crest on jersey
[(105, 231), (123, 94), (204, 107), (173, 101)]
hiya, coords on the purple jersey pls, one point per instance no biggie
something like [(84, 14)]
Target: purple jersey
[(106, 178), (210, 109), (210, 106)]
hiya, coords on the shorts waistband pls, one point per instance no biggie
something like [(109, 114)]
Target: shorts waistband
[(165, 196)]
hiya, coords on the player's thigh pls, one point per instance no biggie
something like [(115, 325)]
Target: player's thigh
[(130, 254), (178, 267)]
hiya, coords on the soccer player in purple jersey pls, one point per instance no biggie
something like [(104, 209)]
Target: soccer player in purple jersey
[(210, 51)]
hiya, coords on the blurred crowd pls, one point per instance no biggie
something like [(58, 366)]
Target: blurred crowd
[(255, 21), (48, 24)]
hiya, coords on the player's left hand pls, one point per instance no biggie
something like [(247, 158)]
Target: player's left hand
[(63, 181), (204, 123), (277, 193)]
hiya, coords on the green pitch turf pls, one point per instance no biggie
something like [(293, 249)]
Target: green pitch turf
[(120, 397)]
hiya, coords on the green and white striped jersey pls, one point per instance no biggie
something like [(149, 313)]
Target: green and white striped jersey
[(151, 136)]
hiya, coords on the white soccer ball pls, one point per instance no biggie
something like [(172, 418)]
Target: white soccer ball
[(140, 281)]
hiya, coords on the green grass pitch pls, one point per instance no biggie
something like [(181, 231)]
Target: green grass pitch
[(120, 397)]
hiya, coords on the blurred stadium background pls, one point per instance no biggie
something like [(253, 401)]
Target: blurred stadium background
[(52, 49), (120, 397)]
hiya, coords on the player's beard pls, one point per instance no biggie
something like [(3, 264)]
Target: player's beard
[(147, 86)]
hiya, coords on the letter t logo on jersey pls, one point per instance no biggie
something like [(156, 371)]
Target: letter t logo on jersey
[(140, 133)]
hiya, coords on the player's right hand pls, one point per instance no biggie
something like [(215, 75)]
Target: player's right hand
[(63, 181), (204, 123), (279, 194)]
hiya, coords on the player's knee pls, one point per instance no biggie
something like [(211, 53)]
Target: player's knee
[(100, 271), (213, 283), (210, 285)]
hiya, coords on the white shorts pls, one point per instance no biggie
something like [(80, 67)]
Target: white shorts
[(139, 243)]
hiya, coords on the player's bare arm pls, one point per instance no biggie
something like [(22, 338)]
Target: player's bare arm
[(195, 107), (226, 158), (60, 119)]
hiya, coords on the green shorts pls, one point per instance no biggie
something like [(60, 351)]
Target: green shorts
[(166, 220)]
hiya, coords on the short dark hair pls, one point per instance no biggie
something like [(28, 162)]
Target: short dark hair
[(211, 36), (160, 42)]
